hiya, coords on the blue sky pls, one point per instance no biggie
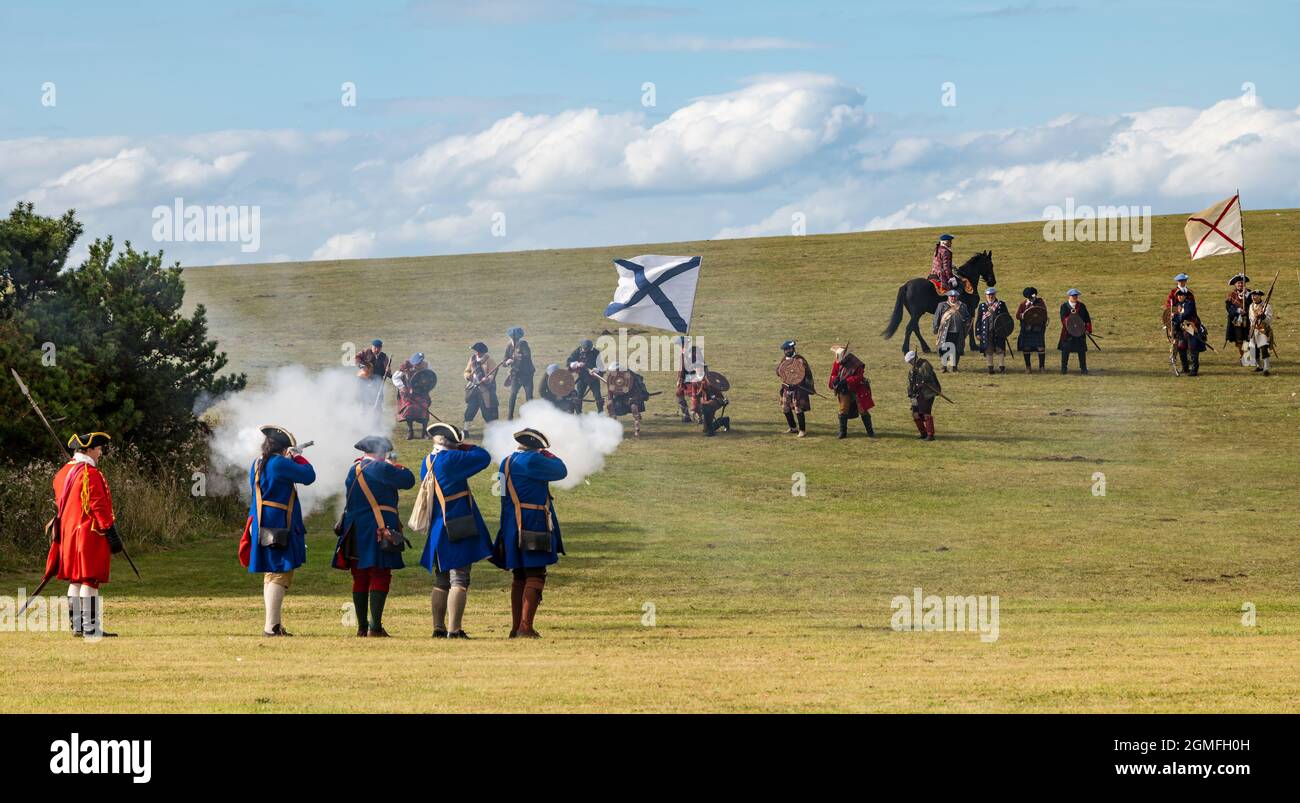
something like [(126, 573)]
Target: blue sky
[(239, 103)]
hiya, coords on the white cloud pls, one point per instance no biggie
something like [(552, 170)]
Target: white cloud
[(734, 164), (352, 245)]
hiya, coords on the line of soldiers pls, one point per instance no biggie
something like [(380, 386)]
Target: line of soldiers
[(583, 377), (993, 324), (1249, 326), (371, 539)]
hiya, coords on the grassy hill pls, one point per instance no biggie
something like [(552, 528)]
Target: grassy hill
[(764, 600)]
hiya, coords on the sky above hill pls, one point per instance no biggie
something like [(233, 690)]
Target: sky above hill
[(396, 128)]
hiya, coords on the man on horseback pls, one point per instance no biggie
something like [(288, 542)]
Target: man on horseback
[(917, 297), (941, 265)]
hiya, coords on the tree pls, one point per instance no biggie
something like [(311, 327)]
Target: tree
[(127, 361)]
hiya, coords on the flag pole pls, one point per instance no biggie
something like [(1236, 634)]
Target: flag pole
[(1242, 213)]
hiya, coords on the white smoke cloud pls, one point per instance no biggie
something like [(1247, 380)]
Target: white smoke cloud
[(322, 406), (581, 441)]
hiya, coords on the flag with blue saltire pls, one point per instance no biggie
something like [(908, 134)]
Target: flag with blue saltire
[(656, 291)]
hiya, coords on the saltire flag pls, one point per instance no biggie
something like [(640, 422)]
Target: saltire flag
[(656, 291), (1216, 230)]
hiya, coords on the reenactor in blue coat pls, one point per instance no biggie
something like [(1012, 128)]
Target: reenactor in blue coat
[(529, 537), (458, 537), (277, 539), (370, 535)]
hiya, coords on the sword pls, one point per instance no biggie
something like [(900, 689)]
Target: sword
[(1098, 345), (23, 387)]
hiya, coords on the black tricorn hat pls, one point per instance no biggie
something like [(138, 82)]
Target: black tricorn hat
[(278, 435), (374, 444), (532, 439), (88, 441), (449, 431), (1240, 277), (480, 347)]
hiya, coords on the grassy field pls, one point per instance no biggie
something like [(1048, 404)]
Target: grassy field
[(766, 601)]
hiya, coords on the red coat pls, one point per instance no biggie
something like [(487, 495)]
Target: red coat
[(856, 378), (80, 548)]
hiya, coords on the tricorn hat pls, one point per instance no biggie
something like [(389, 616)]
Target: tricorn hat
[(374, 444), (1240, 277), (479, 347), (278, 435), (449, 431), (532, 439), (88, 441)]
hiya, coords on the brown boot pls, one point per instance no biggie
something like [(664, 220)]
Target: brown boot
[(532, 598), (516, 603)]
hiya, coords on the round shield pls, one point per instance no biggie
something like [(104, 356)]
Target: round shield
[(619, 382), (561, 383), (424, 381), (719, 381), (1074, 325), (1003, 325), (791, 371), (1034, 316), (1165, 317)]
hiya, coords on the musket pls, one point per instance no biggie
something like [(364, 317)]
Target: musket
[(937, 392), (1272, 345), (23, 387)]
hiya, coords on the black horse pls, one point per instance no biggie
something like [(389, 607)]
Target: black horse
[(920, 297)]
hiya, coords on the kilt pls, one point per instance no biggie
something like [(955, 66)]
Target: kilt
[(412, 406), (1032, 338)]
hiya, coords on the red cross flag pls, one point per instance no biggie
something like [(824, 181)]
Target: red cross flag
[(1216, 230)]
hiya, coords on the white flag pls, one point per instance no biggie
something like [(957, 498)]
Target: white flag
[(656, 291), (1216, 230)]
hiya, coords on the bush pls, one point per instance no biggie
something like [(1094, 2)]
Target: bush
[(155, 510)]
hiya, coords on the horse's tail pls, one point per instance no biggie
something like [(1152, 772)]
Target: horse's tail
[(897, 317)]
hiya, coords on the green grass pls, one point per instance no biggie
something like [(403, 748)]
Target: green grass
[(766, 601)]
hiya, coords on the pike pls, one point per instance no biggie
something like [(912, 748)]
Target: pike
[(54, 522), (1273, 344)]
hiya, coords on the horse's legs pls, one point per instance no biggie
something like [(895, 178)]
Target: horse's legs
[(915, 326)]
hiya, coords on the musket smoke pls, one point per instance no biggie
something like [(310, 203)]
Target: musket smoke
[(322, 406), (581, 441)]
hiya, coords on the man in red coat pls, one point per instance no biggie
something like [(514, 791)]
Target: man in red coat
[(85, 536), (849, 381)]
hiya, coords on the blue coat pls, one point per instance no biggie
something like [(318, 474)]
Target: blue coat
[(530, 473), (359, 528), (277, 480), (453, 468)]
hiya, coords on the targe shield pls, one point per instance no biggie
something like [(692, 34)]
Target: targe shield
[(619, 382), (1074, 326), (719, 381), (424, 381), (1034, 316), (561, 383), (791, 371), (1003, 325)]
